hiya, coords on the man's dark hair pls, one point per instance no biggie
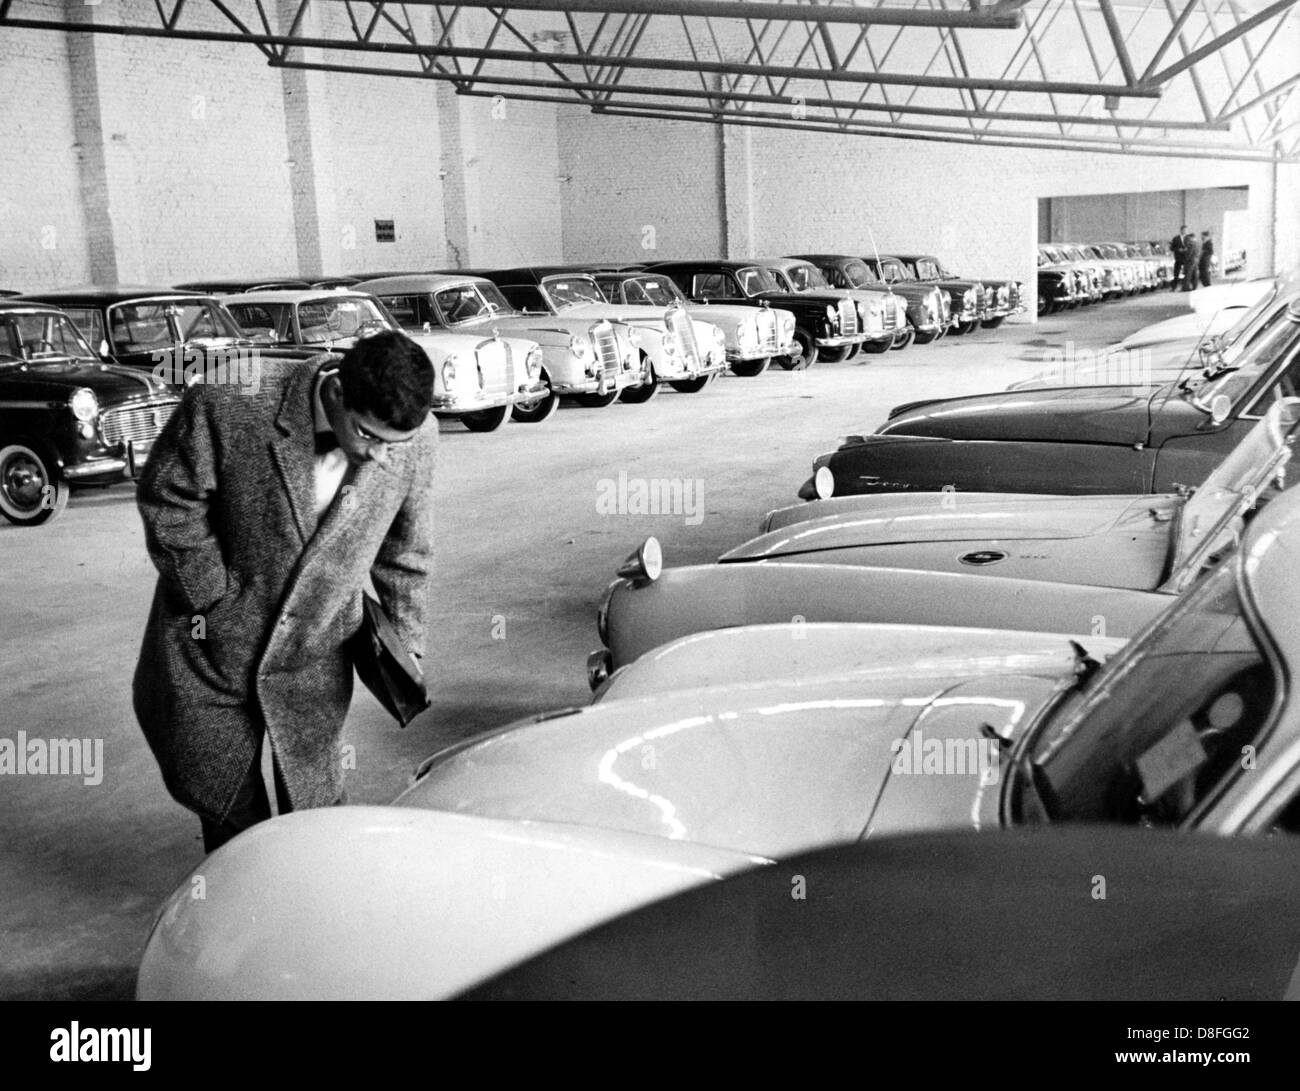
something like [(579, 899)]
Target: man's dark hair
[(389, 377)]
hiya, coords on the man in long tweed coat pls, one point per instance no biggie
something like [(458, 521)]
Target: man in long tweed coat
[(264, 514)]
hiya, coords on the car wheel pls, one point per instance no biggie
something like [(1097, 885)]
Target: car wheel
[(963, 328), (748, 369), (691, 386), (806, 357), (837, 355), (875, 348), (1043, 305), (636, 395), (993, 323), (906, 342), (537, 409), (31, 490), (486, 420), (597, 401), (919, 338)]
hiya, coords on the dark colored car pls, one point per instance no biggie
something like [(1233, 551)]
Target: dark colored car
[(235, 285), (142, 327), (1003, 297), (966, 297), (66, 418), (927, 306), (336, 282), (6, 293), (1059, 286), (1074, 440), (882, 316), (826, 323)]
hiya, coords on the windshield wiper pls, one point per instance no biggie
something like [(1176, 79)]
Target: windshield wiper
[(1084, 665)]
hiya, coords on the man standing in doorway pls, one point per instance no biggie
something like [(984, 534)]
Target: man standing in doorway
[(1178, 248), (264, 514), (1191, 256), (1206, 259)]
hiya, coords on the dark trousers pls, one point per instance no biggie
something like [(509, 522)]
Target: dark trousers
[(252, 805), (1176, 280)]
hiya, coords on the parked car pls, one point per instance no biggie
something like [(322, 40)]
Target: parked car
[(1145, 541), (752, 335), (881, 316), (823, 323), (232, 285), (926, 307), (1074, 440), (1001, 297), (66, 417), (1089, 276), (966, 297), (1060, 284), (336, 282), (140, 327), (1254, 334), (477, 380), (735, 748), (675, 347), (590, 360)]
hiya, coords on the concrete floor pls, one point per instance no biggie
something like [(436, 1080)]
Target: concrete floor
[(523, 558)]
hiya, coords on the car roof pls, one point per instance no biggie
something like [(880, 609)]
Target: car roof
[(222, 285), (915, 257), (818, 259), (399, 284), (100, 295), (784, 263), (730, 264), (7, 304), (294, 296), (533, 274)]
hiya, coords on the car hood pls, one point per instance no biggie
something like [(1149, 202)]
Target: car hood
[(1186, 327), (763, 766), (110, 382), (927, 519), (1089, 414), (390, 903)]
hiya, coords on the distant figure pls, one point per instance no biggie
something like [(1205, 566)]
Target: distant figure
[(1207, 258), (1178, 248), (1191, 258)]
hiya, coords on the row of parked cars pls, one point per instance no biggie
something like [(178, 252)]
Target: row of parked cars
[(1007, 638), (91, 376), (1076, 274)]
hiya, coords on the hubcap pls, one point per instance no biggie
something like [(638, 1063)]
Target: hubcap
[(23, 482)]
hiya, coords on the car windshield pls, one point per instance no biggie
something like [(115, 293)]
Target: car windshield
[(806, 277), (754, 280), (1280, 340), (335, 318), (1247, 322), (860, 274), (571, 291), (263, 316), (149, 325), (467, 302), (896, 270), (652, 292), (929, 269), (40, 335), (1163, 723)]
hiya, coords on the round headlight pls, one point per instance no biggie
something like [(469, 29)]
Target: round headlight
[(747, 334), (824, 483), (533, 362), (719, 338), (84, 404), (830, 313), (787, 325), (449, 366), (579, 347)]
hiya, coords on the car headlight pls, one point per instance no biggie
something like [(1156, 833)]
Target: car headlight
[(747, 334), (719, 338), (831, 312), (787, 325), (579, 347), (449, 367), (533, 362), (670, 345), (84, 404)]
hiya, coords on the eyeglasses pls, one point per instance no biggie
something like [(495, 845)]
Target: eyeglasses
[(377, 441)]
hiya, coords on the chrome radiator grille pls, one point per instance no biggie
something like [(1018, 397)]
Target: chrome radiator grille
[(682, 330), (848, 318), (496, 366), (606, 343), (139, 424), (766, 330)]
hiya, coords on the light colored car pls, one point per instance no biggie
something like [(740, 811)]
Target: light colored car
[(1147, 362), (734, 748), (1143, 541), (592, 360), (1058, 563), (751, 337), (674, 346), (476, 380)]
